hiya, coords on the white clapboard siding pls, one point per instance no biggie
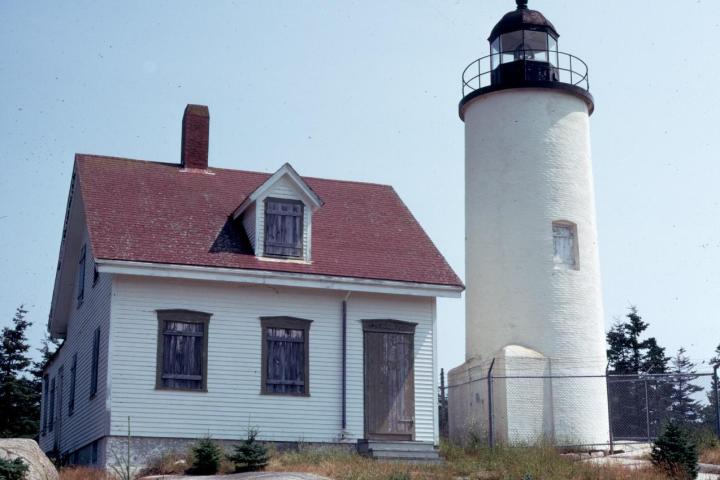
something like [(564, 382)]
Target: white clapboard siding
[(283, 188), (90, 418), (248, 221), (233, 401)]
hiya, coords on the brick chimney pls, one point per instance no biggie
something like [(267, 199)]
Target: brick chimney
[(195, 134)]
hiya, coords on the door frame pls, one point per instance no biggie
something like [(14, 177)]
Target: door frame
[(387, 325)]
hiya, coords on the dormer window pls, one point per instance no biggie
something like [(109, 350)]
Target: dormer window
[(278, 216), (283, 227)]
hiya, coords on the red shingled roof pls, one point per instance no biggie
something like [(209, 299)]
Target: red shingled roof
[(154, 212)]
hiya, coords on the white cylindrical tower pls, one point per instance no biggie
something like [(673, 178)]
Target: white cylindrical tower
[(533, 279)]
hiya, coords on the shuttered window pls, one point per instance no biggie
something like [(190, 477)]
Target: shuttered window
[(51, 420), (182, 350), (285, 355), (73, 373), (283, 227), (46, 403), (95, 363), (81, 276), (565, 245)]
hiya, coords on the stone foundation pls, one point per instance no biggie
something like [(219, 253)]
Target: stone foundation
[(144, 450)]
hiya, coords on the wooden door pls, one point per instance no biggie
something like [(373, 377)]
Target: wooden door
[(389, 380)]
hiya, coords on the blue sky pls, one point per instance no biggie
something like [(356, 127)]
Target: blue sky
[(368, 91)]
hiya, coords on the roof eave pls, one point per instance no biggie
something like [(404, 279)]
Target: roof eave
[(279, 278)]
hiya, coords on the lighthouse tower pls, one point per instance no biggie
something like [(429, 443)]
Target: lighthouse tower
[(534, 316)]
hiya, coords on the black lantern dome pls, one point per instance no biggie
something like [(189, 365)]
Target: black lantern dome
[(524, 54), (523, 18)]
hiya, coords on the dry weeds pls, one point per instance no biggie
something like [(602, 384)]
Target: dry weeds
[(83, 473), (711, 455)]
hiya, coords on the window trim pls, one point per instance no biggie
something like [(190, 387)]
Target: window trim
[(293, 323), (302, 227), (189, 316), (95, 364), (575, 247)]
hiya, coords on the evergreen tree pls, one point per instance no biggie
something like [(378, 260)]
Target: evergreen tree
[(654, 359), (683, 407), (19, 397), (250, 454), (640, 398), (206, 457), (675, 453), (628, 354), (711, 409)]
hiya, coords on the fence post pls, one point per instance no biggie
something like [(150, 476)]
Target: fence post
[(717, 401), (607, 391), (647, 413), (491, 433)]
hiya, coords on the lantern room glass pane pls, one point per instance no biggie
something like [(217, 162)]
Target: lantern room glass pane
[(536, 46), (512, 46), (495, 53), (553, 47)]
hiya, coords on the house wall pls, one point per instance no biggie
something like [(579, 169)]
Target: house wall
[(90, 419), (233, 400), (283, 188), (249, 222)]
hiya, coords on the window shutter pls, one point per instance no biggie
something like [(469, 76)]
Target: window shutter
[(285, 361), (564, 244), (73, 373), (81, 275), (46, 403), (51, 421), (95, 362), (183, 344), (283, 227)]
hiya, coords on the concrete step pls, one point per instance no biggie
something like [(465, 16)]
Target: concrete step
[(407, 452), (414, 446)]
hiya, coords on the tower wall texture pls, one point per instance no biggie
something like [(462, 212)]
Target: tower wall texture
[(528, 164)]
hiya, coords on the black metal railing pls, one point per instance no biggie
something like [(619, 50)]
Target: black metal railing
[(518, 65)]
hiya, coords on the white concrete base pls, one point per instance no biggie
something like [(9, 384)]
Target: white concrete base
[(533, 400)]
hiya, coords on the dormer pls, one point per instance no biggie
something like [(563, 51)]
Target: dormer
[(277, 217)]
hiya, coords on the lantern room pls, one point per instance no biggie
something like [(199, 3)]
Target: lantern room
[(524, 54), (523, 46)]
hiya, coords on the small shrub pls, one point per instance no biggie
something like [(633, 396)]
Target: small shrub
[(12, 469), (675, 453), (250, 454), (206, 457)]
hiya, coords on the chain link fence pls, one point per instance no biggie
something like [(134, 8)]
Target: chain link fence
[(529, 407)]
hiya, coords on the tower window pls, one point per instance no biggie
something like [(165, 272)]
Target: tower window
[(565, 245)]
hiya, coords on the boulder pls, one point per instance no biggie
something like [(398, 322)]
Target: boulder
[(39, 465)]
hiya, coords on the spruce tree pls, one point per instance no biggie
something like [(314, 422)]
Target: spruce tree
[(250, 454), (675, 453), (683, 407), (711, 409), (627, 354), (19, 397)]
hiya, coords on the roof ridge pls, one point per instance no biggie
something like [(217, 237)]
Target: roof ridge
[(304, 177)]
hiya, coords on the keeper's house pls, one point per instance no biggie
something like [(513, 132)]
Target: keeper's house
[(196, 300)]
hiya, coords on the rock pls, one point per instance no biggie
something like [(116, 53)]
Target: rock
[(39, 465)]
